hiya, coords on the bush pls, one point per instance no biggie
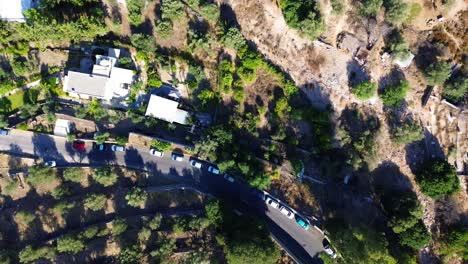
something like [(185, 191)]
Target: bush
[(74, 174), (454, 242), (437, 178), (130, 255), (338, 6), (214, 213), (143, 43), (290, 88), (28, 110), (90, 232), (24, 217), (408, 132), (161, 145), (136, 197), (234, 39), (95, 202), (396, 11), (164, 29), (105, 176), (456, 90), (393, 96), (172, 10), (364, 90), (10, 187), (414, 11), (304, 16), (39, 175), (154, 80), (370, 7), (119, 226), (135, 8), (437, 73), (246, 75), (282, 107), (210, 12), (69, 244), (63, 207), (29, 254), (415, 237)]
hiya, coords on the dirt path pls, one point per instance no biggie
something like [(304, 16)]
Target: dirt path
[(126, 30)]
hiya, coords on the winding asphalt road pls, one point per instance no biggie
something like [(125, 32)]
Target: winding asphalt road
[(301, 244)]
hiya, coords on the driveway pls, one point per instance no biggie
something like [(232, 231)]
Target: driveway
[(302, 244)]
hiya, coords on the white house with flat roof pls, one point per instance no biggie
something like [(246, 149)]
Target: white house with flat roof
[(105, 81), (166, 109), (12, 10)]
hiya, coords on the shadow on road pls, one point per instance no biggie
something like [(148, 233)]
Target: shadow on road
[(45, 148)]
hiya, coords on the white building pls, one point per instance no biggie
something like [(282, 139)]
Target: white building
[(106, 80), (166, 109), (12, 10)]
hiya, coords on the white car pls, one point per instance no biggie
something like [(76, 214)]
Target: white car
[(213, 170), (177, 157), (156, 153), (287, 212), (117, 148), (50, 163), (327, 248), (272, 203), (228, 178), (195, 163)]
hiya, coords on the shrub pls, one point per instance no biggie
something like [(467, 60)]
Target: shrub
[(135, 8), (144, 234), (408, 132), (95, 202), (396, 11), (161, 145), (304, 16), (454, 242), (39, 175), (74, 174), (437, 178), (370, 7), (28, 110), (338, 6), (130, 255), (282, 107), (364, 90), (172, 10), (233, 39), (415, 237), (393, 96), (69, 244), (214, 213), (119, 226), (136, 197), (154, 80), (24, 217), (456, 90), (164, 29), (90, 232), (126, 63), (122, 140), (30, 254), (143, 43), (105, 176), (210, 12), (290, 88), (247, 75), (165, 247), (10, 187), (437, 73)]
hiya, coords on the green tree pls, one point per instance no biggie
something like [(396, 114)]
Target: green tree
[(64, 207), (90, 232), (370, 7), (39, 175), (135, 9), (304, 16), (60, 192), (130, 255), (28, 110), (415, 237), (437, 178), (95, 202), (101, 137), (136, 197), (161, 145), (6, 256), (437, 73), (396, 11), (172, 10), (96, 110), (394, 95), (153, 79), (143, 43), (165, 247), (119, 226), (233, 39), (30, 254), (164, 29), (24, 217), (456, 89), (454, 242), (69, 244), (407, 132), (74, 174), (213, 212), (155, 222), (364, 90), (105, 176), (398, 47), (210, 12), (3, 122)]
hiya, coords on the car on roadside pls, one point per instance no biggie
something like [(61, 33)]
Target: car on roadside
[(117, 148), (258, 193), (213, 170), (229, 178), (79, 145), (50, 163), (288, 213), (302, 223), (327, 248), (156, 152), (4, 132), (177, 157), (195, 163), (272, 202), (100, 147)]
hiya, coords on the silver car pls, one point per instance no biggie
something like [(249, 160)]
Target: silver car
[(156, 153), (195, 163), (117, 148)]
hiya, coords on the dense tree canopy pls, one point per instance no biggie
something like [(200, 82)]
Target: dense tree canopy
[(457, 89), (407, 132), (304, 16), (70, 244), (437, 73), (39, 174), (454, 241), (364, 90), (105, 176), (394, 95), (437, 178)]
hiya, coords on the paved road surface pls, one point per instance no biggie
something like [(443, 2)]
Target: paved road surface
[(303, 244)]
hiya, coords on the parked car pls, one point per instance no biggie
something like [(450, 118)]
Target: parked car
[(79, 145), (195, 163), (258, 194), (4, 132), (229, 178), (156, 152), (271, 202), (177, 157), (100, 147), (213, 170), (327, 248), (50, 163), (284, 210), (117, 148), (303, 223)]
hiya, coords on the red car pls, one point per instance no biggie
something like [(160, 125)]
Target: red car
[(79, 145)]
